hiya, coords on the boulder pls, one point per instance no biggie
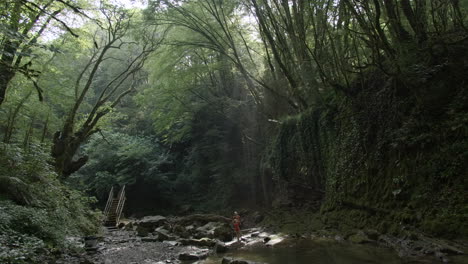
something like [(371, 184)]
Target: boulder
[(191, 230), (163, 234), (152, 222), (273, 240), (208, 229), (180, 231), (227, 260), (221, 247), (203, 242), (142, 231), (129, 226), (193, 254), (223, 233), (217, 230)]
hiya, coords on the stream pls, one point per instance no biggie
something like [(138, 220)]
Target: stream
[(326, 252)]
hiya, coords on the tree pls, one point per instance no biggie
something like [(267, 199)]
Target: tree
[(111, 42), (22, 23), (216, 26)]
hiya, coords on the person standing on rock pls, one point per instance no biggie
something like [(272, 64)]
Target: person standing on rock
[(236, 223)]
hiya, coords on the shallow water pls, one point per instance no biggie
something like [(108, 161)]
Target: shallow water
[(326, 252)]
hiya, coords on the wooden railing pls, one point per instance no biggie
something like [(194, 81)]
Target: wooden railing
[(120, 205), (109, 203)]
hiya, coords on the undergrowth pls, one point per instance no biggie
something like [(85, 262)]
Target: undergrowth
[(37, 211)]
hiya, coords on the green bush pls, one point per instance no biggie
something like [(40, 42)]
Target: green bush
[(36, 209)]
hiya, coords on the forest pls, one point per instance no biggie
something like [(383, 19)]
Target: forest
[(325, 116)]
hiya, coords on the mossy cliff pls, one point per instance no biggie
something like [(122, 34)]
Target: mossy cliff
[(391, 156)]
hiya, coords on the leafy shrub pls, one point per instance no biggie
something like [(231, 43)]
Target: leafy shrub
[(19, 248), (36, 209)]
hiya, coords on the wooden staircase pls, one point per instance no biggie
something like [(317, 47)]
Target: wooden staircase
[(114, 207)]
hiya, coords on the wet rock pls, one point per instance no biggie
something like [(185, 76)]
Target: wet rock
[(221, 247), (273, 240), (195, 254), (227, 260), (203, 242), (255, 234)]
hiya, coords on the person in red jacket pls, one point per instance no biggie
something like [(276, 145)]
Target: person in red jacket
[(236, 221)]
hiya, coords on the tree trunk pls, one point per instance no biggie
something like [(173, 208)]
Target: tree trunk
[(416, 20), (5, 77), (394, 22)]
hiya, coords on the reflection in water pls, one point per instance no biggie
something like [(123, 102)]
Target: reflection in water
[(313, 252)]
